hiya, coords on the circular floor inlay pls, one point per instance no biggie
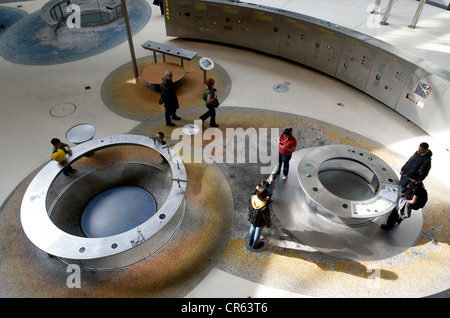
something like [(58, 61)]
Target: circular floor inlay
[(280, 88), (63, 110), (117, 210), (190, 129)]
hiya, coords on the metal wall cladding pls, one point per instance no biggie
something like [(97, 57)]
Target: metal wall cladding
[(388, 78), (296, 40), (425, 100), (356, 61), (413, 87)]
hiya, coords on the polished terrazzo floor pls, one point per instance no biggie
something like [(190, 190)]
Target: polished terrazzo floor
[(208, 251)]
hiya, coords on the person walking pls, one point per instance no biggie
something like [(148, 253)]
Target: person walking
[(211, 103), (169, 98), (419, 162), (258, 216), (286, 146)]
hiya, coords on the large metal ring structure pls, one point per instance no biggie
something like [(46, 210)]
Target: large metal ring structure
[(349, 209), (48, 237), (335, 225)]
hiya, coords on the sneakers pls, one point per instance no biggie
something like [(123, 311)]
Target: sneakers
[(284, 177), (175, 117)]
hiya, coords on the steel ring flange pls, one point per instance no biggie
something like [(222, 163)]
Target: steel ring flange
[(43, 233), (379, 177)]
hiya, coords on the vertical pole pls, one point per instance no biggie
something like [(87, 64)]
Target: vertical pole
[(130, 39), (387, 13), (376, 6), (417, 15)]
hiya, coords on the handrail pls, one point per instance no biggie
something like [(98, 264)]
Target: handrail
[(54, 11)]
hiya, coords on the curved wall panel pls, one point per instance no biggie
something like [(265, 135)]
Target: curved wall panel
[(416, 89)]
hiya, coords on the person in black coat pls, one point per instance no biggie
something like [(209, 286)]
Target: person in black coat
[(419, 162), (169, 98), (258, 216), (414, 198)]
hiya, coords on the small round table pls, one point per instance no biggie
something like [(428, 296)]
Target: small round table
[(81, 133)]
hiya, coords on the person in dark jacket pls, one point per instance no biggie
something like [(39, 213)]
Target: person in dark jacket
[(419, 162), (414, 198), (258, 216), (169, 98)]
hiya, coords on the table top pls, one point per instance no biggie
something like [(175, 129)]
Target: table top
[(80, 133)]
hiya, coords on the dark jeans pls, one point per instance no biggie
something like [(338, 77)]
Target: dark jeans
[(169, 113), (253, 236), (392, 219), (283, 160), (211, 112), (67, 170), (404, 180)]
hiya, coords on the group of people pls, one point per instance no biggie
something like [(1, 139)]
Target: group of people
[(169, 98), (259, 210), (413, 194)]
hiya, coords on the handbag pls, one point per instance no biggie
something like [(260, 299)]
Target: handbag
[(215, 103)]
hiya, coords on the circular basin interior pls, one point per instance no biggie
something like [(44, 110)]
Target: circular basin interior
[(348, 179), (108, 200), (117, 210)]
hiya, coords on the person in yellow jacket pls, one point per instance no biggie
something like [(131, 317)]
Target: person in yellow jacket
[(57, 146), (258, 216)]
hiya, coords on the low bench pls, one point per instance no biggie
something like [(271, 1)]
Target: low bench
[(169, 50)]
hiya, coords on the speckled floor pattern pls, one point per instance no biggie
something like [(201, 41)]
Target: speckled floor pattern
[(215, 222), (214, 228)]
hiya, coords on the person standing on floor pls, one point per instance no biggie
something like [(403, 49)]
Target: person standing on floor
[(286, 146), (160, 4), (414, 198), (211, 103), (169, 98), (419, 162), (258, 216)]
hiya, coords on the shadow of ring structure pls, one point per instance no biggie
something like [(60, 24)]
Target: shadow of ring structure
[(334, 201), (108, 215)]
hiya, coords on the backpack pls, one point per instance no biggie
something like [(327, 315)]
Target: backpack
[(204, 96)]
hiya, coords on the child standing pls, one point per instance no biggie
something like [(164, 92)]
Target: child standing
[(57, 144)]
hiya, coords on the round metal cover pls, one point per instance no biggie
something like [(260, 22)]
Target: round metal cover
[(80, 133), (280, 88), (190, 129), (63, 110)]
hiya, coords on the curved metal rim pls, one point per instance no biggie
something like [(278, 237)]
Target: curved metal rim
[(48, 237), (308, 170)]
